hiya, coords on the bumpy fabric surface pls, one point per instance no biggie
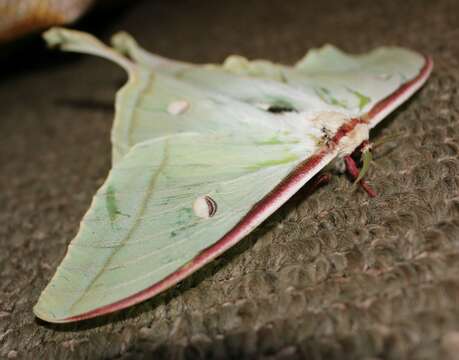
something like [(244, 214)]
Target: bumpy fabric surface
[(332, 275)]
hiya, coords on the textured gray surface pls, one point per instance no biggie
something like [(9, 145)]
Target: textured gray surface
[(331, 275)]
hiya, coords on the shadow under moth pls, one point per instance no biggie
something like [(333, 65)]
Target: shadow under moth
[(202, 154)]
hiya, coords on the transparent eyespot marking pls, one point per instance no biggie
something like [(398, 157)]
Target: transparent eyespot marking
[(178, 107), (205, 207)]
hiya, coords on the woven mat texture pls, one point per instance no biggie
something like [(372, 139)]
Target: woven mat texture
[(331, 275)]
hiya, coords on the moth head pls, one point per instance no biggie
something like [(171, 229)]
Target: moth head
[(329, 120)]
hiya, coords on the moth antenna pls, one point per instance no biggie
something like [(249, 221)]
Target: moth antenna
[(319, 180), (353, 171), (80, 42), (367, 158)]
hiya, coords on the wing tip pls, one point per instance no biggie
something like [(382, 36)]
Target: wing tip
[(47, 316), (388, 104), (81, 42)]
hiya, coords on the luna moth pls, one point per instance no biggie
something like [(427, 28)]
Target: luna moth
[(202, 154)]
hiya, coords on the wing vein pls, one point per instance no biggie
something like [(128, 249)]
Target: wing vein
[(143, 206)]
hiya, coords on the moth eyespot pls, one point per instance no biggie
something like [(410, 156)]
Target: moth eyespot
[(178, 107), (279, 109), (204, 207), (276, 108)]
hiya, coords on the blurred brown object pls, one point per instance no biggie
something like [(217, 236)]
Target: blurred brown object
[(19, 17)]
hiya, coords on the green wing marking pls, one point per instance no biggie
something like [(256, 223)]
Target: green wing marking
[(363, 100), (327, 97), (110, 202)]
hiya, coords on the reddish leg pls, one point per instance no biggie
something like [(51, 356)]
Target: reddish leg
[(317, 181), (353, 171), (320, 180)]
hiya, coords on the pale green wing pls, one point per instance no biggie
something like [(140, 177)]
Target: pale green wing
[(157, 103), (260, 88), (325, 79), (143, 224), (165, 97)]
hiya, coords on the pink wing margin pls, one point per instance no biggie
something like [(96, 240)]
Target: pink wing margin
[(278, 196)]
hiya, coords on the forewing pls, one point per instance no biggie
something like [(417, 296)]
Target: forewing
[(155, 103), (258, 83), (239, 94), (141, 226), (326, 79)]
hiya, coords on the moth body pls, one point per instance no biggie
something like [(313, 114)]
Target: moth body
[(353, 140)]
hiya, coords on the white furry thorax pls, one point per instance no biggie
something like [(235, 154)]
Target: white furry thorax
[(331, 121), (353, 139)]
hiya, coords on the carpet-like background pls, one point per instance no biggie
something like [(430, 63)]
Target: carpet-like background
[(332, 275)]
